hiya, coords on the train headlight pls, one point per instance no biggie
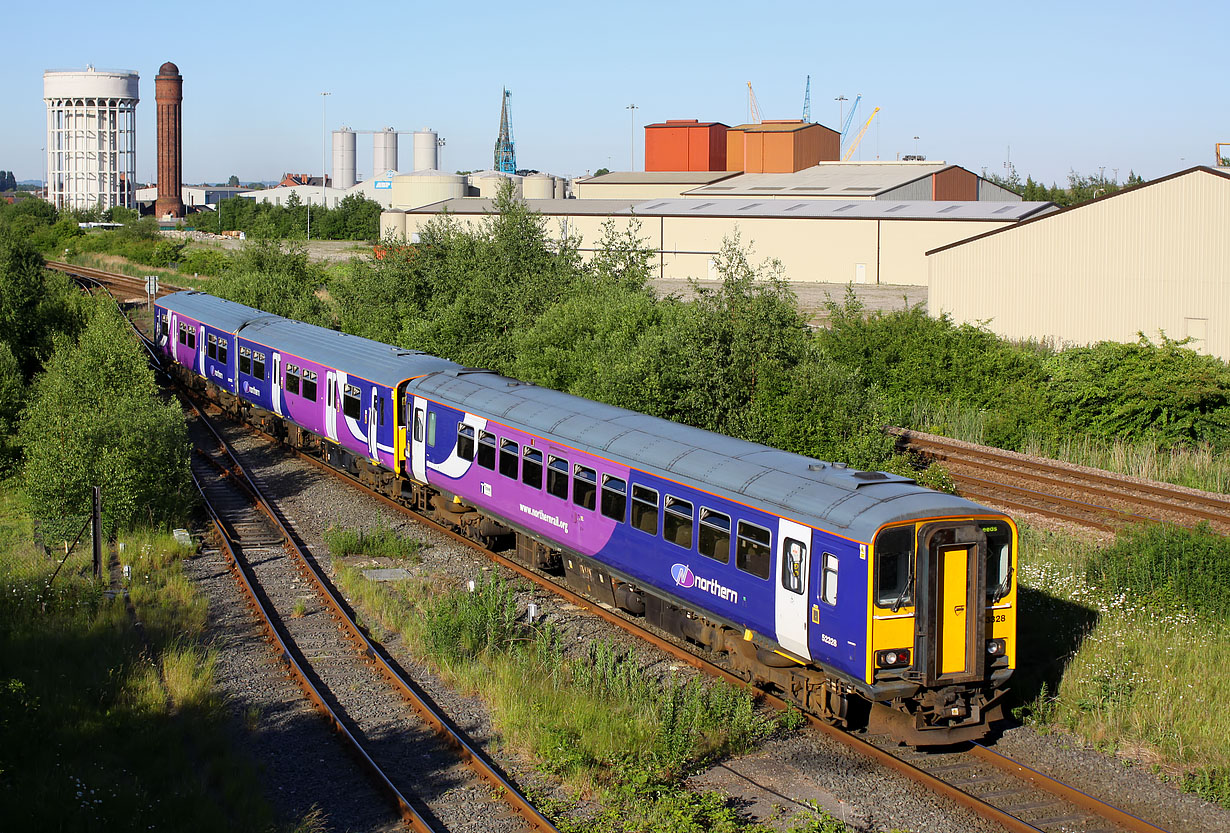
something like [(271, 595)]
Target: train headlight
[(996, 647), (893, 658)]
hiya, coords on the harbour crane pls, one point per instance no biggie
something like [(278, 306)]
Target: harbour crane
[(859, 138), (845, 128), (753, 109), (505, 149), (807, 102)]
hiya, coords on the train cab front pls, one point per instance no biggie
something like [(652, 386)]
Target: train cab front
[(943, 627)]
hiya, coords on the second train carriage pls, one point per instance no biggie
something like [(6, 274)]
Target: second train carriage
[(818, 580)]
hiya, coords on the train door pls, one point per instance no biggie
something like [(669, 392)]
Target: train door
[(418, 438), (372, 421), (275, 383), (952, 565), (331, 405), (790, 602), (200, 349)]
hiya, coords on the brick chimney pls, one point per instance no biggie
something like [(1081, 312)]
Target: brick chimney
[(169, 97)]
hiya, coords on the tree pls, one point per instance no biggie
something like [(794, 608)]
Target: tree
[(602, 171), (233, 182), (22, 291), (95, 419)]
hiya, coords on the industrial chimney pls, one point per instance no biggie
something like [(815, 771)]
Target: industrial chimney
[(169, 97)]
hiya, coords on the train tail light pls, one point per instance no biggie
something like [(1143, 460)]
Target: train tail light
[(894, 658)]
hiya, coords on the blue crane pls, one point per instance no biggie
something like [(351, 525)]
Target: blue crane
[(505, 149), (845, 128)]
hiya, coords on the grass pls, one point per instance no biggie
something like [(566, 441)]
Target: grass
[(1125, 665), (381, 542), (590, 715), (105, 728)]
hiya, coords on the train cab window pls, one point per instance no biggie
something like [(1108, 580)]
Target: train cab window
[(677, 522), (510, 453), (531, 468), (258, 365), (211, 346), (713, 540), (999, 560), (614, 497), (828, 579), (292, 379), (894, 582), (164, 326), (753, 549), (486, 450), (183, 333), (465, 439), (245, 361), (431, 428), (352, 405), (309, 385), (585, 487), (645, 509), (794, 565), (557, 477)]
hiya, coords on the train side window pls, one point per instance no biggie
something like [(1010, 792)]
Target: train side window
[(645, 509), (585, 487), (192, 337), (245, 361), (183, 333), (713, 540), (510, 453), (557, 477), (794, 565), (753, 549), (531, 468), (431, 428), (292, 379), (258, 365), (614, 497), (418, 426), (894, 581), (162, 326), (828, 579), (222, 349), (677, 522), (352, 405), (309, 385), (486, 450), (465, 440), (211, 346)]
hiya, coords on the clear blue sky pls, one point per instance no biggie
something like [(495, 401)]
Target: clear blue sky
[(1128, 85)]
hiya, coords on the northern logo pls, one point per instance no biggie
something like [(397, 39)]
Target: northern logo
[(684, 577)]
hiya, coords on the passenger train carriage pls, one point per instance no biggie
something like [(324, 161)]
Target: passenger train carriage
[(834, 587)]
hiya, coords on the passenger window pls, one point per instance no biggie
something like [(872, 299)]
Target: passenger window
[(895, 567), (183, 333), (418, 425), (828, 579), (211, 347), (258, 365), (794, 565), (292, 379), (486, 450), (645, 509), (557, 477), (585, 487), (431, 428), (222, 350), (510, 452), (245, 361), (713, 541), (192, 338), (677, 522), (309, 385), (465, 440), (352, 405), (614, 497), (753, 549), (531, 468)]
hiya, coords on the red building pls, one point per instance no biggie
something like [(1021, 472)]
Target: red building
[(685, 145)]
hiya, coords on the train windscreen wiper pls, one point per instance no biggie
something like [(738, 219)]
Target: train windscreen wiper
[(909, 582)]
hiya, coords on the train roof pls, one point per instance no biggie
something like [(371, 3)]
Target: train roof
[(374, 361), (826, 495)]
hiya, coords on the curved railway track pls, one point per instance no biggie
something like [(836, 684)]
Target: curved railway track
[(1065, 491), (1006, 793)]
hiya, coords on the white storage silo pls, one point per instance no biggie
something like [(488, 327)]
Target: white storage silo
[(426, 147), (561, 188), (393, 225), (538, 187), (487, 183), (384, 151), (343, 158), (425, 187)]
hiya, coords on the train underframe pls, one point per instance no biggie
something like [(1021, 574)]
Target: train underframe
[(911, 714)]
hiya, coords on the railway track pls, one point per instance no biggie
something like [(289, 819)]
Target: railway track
[(129, 287), (1009, 794), (1065, 491)]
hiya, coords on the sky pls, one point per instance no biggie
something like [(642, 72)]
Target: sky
[(1049, 87)]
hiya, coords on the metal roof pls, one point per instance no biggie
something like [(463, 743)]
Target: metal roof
[(841, 209), (659, 177), (483, 205), (801, 488), (827, 178), (371, 360), (779, 126)]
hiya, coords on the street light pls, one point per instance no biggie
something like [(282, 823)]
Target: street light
[(324, 159), (841, 110), (632, 108)]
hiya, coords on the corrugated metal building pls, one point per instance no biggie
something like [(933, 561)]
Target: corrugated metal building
[(780, 146), (647, 185), (862, 181), (1147, 259), (685, 145), (824, 241)]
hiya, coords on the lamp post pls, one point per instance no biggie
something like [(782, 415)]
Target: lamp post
[(632, 108), (841, 110)]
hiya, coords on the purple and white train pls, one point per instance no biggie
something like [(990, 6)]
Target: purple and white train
[(834, 587)]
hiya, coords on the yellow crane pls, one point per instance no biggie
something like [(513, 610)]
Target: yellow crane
[(859, 137), (753, 109), (1218, 158)]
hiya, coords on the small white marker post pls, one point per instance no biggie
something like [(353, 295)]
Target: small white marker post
[(151, 289)]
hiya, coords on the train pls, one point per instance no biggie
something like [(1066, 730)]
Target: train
[(859, 596)]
